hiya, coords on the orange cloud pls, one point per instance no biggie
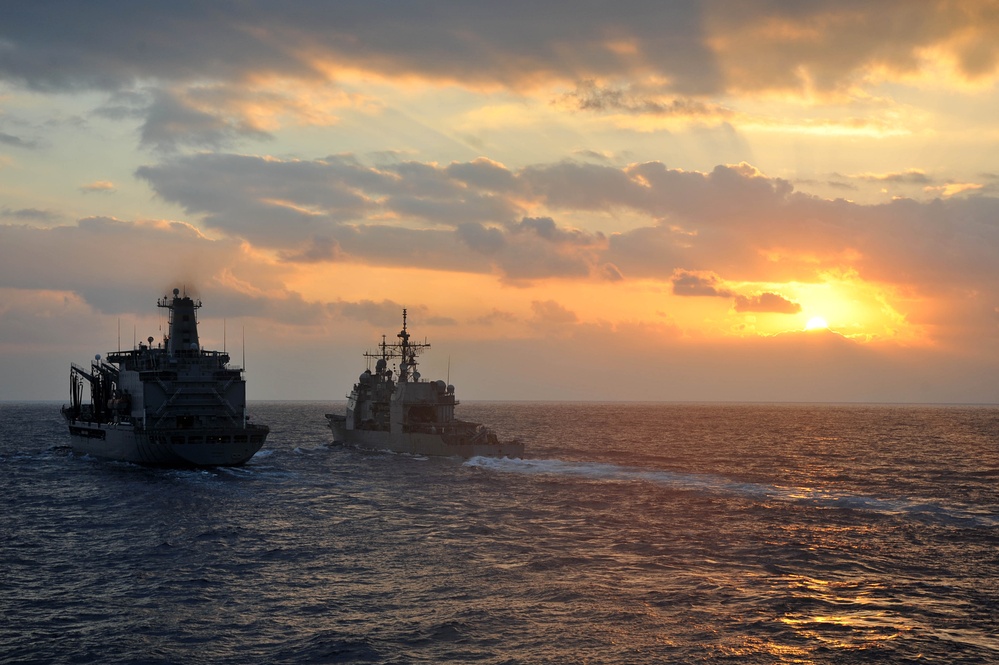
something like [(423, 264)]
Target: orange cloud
[(98, 186), (766, 302)]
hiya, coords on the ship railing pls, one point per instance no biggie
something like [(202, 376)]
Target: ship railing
[(86, 415), (462, 428), (220, 358), (145, 358)]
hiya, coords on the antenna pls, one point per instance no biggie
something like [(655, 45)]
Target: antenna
[(244, 348), (223, 335), (449, 369), (119, 334)]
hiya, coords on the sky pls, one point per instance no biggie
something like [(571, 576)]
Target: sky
[(725, 200)]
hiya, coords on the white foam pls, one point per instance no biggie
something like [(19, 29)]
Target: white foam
[(707, 483), (605, 471)]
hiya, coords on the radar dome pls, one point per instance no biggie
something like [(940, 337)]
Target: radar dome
[(381, 364), (450, 388)]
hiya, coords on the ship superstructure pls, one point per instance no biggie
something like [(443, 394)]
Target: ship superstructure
[(396, 410), (173, 404)]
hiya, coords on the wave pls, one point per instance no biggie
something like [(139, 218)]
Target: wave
[(714, 484)]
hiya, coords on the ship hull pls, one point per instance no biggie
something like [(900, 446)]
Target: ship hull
[(418, 443), (170, 448)]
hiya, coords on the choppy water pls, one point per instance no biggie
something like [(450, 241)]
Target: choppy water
[(634, 533)]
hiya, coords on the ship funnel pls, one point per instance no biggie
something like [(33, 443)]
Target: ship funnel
[(183, 335)]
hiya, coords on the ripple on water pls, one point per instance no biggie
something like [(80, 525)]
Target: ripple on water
[(699, 533)]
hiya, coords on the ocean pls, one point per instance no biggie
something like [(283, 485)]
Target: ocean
[(630, 533)]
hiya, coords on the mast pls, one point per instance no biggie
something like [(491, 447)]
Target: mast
[(407, 357), (404, 350), (183, 322)]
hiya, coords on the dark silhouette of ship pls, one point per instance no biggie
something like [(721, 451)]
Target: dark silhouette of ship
[(172, 405), (400, 412)]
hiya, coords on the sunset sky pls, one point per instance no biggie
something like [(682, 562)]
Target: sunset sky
[(718, 200)]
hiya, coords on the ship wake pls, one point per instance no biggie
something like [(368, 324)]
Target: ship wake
[(930, 510)]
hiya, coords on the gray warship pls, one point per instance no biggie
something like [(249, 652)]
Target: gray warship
[(172, 405), (405, 414)]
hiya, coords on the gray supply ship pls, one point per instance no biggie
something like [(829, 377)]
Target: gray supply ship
[(403, 413), (173, 405)]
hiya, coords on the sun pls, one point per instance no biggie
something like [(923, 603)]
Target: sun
[(816, 323)]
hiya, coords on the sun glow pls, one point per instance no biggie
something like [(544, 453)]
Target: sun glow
[(816, 323)]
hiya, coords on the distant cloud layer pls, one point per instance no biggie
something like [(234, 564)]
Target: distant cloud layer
[(686, 283), (558, 178), (829, 42), (766, 302), (98, 186), (733, 222), (207, 85)]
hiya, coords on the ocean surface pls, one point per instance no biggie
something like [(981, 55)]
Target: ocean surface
[(631, 533)]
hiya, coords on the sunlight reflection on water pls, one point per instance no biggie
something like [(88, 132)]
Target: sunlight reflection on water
[(700, 534)]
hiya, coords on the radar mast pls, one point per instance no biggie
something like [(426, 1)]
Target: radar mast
[(403, 350)]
